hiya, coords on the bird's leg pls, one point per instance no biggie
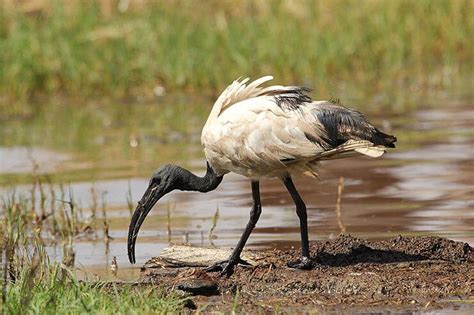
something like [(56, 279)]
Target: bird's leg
[(227, 267), (305, 262)]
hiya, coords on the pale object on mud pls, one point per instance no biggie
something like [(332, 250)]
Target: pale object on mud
[(189, 256)]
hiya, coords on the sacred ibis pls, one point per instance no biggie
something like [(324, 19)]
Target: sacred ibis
[(272, 132)]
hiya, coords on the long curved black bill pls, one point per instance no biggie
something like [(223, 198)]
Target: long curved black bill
[(151, 196)]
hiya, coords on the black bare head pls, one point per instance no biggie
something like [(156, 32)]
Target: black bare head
[(163, 181)]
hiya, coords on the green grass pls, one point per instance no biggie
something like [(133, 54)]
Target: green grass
[(57, 291), (31, 284), (386, 51)]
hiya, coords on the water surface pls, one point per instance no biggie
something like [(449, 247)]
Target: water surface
[(424, 187)]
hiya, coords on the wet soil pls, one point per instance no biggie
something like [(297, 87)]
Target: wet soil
[(403, 273)]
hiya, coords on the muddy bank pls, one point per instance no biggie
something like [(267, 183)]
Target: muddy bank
[(413, 272)]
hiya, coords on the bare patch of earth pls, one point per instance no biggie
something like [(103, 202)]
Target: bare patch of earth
[(403, 273)]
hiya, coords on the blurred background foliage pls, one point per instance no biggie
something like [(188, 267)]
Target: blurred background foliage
[(391, 54)]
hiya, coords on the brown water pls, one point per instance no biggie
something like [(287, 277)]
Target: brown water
[(424, 187)]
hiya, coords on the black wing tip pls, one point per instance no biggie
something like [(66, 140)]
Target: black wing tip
[(392, 140), (387, 140)]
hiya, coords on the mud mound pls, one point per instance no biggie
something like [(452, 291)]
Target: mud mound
[(347, 250), (401, 272), (430, 247)]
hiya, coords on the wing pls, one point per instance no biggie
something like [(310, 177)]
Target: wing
[(341, 124)]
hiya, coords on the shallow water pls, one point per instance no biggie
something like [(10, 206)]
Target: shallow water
[(424, 187)]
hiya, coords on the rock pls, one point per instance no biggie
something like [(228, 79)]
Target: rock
[(199, 287), (188, 256)]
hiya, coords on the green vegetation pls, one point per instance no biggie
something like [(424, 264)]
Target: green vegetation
[(57, 291), (32, 284), (386, 52)]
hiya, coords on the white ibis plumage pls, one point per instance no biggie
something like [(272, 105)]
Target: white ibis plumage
[(272, 132)]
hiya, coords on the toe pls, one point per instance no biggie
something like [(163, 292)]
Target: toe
[(216, 267), (243, 263), (226, 267), (304, 264), (227, 271)]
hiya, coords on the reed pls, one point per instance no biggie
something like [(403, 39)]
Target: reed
[(56, 290), (32, 284)]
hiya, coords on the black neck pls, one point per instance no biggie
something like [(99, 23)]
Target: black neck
[(185, 180)]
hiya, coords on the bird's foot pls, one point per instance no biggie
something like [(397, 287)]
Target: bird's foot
[(304, 263), (226, 267)]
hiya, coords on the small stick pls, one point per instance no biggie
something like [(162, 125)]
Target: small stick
[(340, 188), (5, 271), (107, 237), (168, 221), (130, 199), (93, 206), (214, 224)]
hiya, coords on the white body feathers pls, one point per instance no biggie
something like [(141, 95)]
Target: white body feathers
[(273, 131)]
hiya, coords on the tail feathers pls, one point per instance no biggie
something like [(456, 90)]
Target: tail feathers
[(353, 147), (374, 151)]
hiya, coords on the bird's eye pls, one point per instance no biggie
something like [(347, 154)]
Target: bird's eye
[(155, 180)]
